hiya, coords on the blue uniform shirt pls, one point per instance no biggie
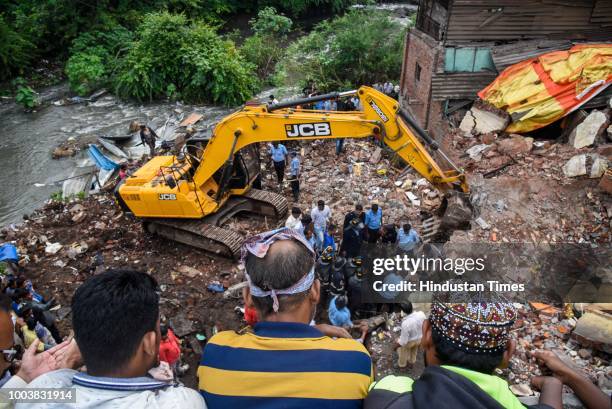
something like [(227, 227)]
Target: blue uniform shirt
[(407, 241), (295, 166), (339, 318), (373, 220), (278, 153)]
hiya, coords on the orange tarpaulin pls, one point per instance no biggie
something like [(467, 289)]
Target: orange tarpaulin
[(539, 91)]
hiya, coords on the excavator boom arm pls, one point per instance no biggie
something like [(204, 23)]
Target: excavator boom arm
[(380, 118)]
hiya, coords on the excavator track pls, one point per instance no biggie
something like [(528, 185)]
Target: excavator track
[(209, 235)]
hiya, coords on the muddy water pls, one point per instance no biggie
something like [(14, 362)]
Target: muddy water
[(27, 140)]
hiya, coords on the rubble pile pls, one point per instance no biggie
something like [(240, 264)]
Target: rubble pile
[(524, 190), (542, 326), (364, 173), (528, 189)]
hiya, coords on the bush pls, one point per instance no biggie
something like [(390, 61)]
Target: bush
[(94, 57), (263, 52), (86, 71), (200, 65), (268, 22), (266, 47), (361, 47), (25, 95)]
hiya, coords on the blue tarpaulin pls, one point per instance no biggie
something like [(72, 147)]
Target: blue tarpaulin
[(100, 159), (8, 252)]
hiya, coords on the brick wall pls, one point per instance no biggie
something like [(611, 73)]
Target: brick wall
[(437, 126), (421, 51)]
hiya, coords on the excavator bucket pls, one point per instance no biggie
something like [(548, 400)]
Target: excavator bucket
[(455, 213)]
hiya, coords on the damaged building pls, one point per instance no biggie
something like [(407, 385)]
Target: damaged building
[(458, 47)]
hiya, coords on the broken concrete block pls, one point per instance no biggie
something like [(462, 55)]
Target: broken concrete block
[(79, 217), (375, 158), (482, 223), (413, 198), (594, 329), (593, 164), (467, 124), (586, 132), (609, 132), (53, 248), (475, 151), (600, 164), (576, 166), (189, 271), (77, 208), (484, 121), (515, 145)]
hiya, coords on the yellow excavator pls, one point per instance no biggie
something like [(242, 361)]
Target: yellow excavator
[(189, 197)]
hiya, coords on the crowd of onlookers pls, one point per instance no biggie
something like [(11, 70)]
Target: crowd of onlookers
[(284, 360)]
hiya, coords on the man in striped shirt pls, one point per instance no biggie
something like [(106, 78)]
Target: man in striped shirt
[(284, 362)]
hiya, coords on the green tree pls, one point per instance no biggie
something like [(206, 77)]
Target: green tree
[(15, 51), (361, 47), (267, 46), (269, 22)]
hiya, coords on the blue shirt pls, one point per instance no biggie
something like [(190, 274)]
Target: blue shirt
[(328, 241), (278, 153), (407, 241), (339, 318), (295, 166), (373, 220)]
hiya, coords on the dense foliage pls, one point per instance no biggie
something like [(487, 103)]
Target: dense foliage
[(357, 48), (297, 7), (148, 49), (31, 29), (14, 51), (171, 56), (94, 57)]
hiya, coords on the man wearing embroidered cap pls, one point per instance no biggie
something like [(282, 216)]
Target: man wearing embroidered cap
[(284, 362), (463, 344)]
